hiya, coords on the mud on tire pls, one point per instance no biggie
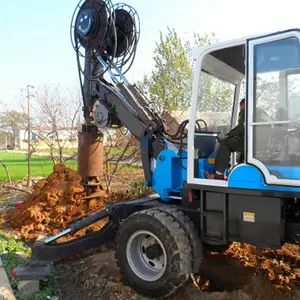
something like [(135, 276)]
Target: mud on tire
[(176, 251), (192, 233)]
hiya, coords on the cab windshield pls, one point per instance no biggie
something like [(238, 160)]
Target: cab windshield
[(276, 103)]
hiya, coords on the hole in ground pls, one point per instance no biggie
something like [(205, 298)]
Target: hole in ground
[(223, 273)]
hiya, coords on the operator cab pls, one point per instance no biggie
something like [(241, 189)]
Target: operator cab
[(266, 71)]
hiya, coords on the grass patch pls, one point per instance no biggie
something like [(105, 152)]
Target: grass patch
[(56, 151), (139, 188), (125, 168), (11, 261), (40, 166), (114, 151), (17, 166), (10, 244), (10, 249)]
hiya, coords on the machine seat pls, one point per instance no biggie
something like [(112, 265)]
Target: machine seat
[(205, 143)]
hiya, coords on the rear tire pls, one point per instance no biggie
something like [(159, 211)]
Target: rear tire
[(160, 270)]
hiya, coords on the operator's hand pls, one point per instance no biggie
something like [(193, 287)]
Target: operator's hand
[(221, 136)]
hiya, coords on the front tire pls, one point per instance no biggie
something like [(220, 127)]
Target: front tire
[(192, 233), (153, 252)]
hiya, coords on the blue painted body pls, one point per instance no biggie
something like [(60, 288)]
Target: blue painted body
[(286, 172), (168, 176), (249, 177), (206, 164)]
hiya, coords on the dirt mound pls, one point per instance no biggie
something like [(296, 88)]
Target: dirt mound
[(58, 199), (280, 267), (260, 273), (53, 204)]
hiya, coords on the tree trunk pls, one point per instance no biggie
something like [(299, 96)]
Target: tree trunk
[(29, 169)]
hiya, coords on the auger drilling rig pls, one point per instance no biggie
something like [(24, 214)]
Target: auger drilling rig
[(159, 239)]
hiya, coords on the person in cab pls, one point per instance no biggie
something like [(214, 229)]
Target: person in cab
[(233, 142)]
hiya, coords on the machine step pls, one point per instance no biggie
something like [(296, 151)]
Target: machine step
[(32, 272), (213, 241), (212, 213)]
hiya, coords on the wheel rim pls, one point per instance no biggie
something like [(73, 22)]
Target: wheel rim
[(146, 255)]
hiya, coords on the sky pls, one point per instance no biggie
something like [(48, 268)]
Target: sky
[(35, 34)]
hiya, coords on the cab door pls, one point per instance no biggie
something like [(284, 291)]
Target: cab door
[(273, 121)]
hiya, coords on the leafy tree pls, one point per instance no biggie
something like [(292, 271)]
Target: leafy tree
[(215, 95), (12, 120), (206, 39), (267, 93), (199, 41), (170, 83)]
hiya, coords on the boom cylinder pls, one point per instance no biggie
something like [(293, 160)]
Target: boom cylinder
[(90, 155)]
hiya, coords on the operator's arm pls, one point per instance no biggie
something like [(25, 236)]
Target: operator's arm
[(239, 129)]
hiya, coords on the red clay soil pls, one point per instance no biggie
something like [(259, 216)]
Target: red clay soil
[(244, 267), (58, 199), (54, 203), (281, 267)]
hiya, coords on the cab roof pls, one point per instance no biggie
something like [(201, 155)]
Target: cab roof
[(232, 52)]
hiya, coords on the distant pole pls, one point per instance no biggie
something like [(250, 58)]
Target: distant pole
[(29, 132)]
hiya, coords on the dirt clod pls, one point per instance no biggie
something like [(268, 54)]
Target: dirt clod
[(280, 267), (55, 201), (242, 272)]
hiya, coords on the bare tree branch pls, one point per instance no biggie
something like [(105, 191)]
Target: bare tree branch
[(120, 149), (118, 178), (16, 188), (7, 172), (59, 112)]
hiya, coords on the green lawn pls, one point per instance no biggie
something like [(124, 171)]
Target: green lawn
[(113, 151), (55, 151), (40, 166), (17, 165), (10, 249)]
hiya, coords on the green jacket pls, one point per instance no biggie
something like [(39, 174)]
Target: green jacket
[(238, 131)]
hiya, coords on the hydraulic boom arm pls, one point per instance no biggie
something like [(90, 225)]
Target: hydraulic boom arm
[(109, 35), (128, 110), (114, 102)]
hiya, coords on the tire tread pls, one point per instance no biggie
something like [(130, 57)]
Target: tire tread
[(174, 222)]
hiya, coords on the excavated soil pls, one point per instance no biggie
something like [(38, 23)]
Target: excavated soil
[(241, 270), (259, 272), (280, 267), (224, 276), (54, 203)]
